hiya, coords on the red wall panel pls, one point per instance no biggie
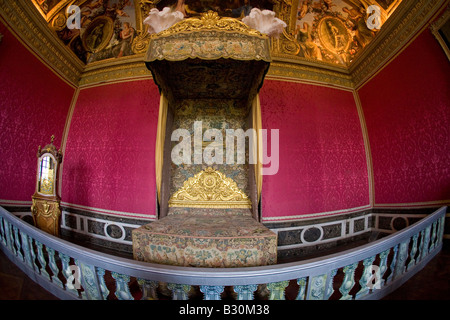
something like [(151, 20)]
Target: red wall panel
[(110, 152), (33, 106), (322, 158), (407, 112)]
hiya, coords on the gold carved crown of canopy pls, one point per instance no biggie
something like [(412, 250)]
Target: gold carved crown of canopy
[(209, 37), (209, 57), (210, 189)]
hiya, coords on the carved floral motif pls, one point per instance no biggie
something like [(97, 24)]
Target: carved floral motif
[(210, 189)]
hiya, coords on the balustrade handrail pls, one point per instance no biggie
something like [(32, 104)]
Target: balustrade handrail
[(222, 276)]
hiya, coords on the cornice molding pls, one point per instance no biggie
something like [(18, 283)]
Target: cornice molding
[(437, 25), (401, 27), (31, 28), (126, 68), (309, 72), (399, 30)]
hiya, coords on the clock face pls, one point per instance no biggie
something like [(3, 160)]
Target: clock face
[(46, 175)]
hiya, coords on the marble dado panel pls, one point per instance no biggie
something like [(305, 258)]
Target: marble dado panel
[(102, 227), (307, 237)]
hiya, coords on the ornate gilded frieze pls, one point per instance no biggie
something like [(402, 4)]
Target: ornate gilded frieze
[(402, 26), (209, 37), (210, 189), (324, 41), (22, 17), (129, 68)]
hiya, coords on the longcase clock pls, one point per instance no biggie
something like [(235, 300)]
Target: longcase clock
[(46, 208)]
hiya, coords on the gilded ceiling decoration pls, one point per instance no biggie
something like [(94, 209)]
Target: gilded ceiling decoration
[(328, 31), (332, 31)]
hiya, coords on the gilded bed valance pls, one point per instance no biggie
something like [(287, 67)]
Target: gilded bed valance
[(209, 37)]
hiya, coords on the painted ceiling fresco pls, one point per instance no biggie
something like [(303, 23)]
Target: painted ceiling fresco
[(331, 31), (335, 31)]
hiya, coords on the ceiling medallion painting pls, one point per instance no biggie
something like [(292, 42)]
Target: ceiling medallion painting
[(330, 31), (107, 27)]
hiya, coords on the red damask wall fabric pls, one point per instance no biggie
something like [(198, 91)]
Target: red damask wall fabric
[(322, 159), (33, 107), (110, 152), (407, 111)]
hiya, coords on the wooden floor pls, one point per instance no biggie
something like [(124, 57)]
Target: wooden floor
[(431, 283)]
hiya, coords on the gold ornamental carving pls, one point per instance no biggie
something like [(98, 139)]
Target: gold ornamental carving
[(209, 21), (210, 189), (47, 215)]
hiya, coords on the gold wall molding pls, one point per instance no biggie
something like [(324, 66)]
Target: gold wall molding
[(368, 152), (127, 69), (66, 135), (32, 28), (309, 72)]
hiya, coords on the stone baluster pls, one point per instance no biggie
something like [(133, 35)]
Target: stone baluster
[(89, 281), (101, 279), (401, 260), (441, 229), (422, 238), (349, 281), (70, 277), (277, 290), (302, 288), (12, 239), (41, 259), (33, 254), (393, 263), (366, 277), (2, 232), (212, 292), (412, 253), (54, 267), (330, 282), (438, 232), (382, 267), (148, 288), (26, 250), (122, 289), (179, 291), (18, 245), (425, 243), (317, 287), (433, 236), (245, 292), (8, 237)]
